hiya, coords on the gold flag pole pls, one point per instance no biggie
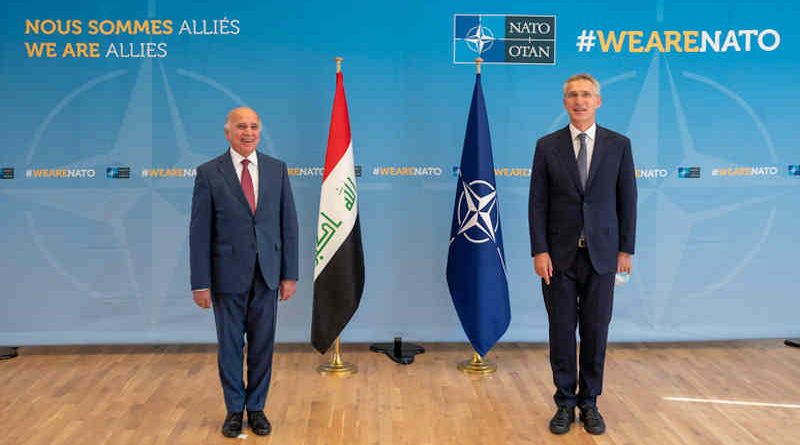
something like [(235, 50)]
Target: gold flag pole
[(478, 365), (337, 366), (339, 61)]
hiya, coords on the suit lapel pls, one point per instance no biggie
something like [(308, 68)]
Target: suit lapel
[(263, 177), (567, 154), (226, 169), (598, 155)]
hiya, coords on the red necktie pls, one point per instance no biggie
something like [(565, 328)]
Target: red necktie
[(247, 186)]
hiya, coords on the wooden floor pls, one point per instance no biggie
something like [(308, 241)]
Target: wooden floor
[(170, 395)]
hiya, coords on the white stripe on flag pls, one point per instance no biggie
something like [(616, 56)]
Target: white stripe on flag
[(338, 209)]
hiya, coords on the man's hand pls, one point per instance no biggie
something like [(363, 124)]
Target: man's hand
[(543, 266), (623, 262), (202, 298), (287, 289)]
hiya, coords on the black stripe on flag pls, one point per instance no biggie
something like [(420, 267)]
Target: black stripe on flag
[(337, 291)]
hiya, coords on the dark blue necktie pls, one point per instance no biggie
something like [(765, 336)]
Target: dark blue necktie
[(583, 160)]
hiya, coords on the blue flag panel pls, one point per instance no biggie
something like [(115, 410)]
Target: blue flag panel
[(476, 271)]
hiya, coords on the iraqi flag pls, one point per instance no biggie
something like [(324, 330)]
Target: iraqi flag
[(339, 259), (476, 270)]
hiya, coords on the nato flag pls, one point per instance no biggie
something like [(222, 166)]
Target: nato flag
[(476, 271)]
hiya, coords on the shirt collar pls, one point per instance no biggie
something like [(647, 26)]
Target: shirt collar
[(590, 132), (237, 158)]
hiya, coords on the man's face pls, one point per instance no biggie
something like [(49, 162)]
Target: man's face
[(243, 131), (581, 102)]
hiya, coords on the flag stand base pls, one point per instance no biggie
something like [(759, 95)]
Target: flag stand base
[(336, 366), (477, 366), (7, 353), (402, 353), (794, 342), (338, 369)]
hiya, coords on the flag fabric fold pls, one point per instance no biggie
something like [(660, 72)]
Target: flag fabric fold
[(476, 271), (339, 257)]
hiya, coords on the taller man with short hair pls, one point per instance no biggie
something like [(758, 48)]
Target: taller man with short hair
[(582, 220), (243, 255)]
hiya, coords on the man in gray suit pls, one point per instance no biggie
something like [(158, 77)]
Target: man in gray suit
[(243, 255), (582, 219)]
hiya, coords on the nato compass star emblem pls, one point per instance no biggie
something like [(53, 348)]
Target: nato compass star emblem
[(480, 39), (477, 212)]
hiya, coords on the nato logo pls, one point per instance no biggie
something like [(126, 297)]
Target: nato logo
[(7, 173), (118, 172), (478, 218), (504, 39), (689, 172), (794, 170)]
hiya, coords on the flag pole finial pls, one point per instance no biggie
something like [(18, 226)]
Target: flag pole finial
[(339, 61), (478, 62)]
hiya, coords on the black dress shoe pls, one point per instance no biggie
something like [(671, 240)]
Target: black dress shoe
[(232, 426), (562, 420), (259, 423), (593, 422)]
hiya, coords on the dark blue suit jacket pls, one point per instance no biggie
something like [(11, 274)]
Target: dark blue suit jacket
[(225, 237), (559, 207)]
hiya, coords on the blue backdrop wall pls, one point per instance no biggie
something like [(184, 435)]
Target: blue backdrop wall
[(90, 255)]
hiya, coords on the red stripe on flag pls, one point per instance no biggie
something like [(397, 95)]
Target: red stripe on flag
[(339, 134)]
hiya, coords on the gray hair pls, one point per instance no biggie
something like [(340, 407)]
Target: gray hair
[(583, 76), (228, 119)]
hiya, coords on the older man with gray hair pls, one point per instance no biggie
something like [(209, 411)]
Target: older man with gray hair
[(582, 220), (244, 258)]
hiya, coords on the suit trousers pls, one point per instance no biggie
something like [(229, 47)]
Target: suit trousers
[(250, 315), (578, 297)]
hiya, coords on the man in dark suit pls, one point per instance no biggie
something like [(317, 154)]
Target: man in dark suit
[(243, 255), (582, 219)]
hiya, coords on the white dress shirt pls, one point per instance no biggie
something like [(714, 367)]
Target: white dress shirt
[(576, 142)]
